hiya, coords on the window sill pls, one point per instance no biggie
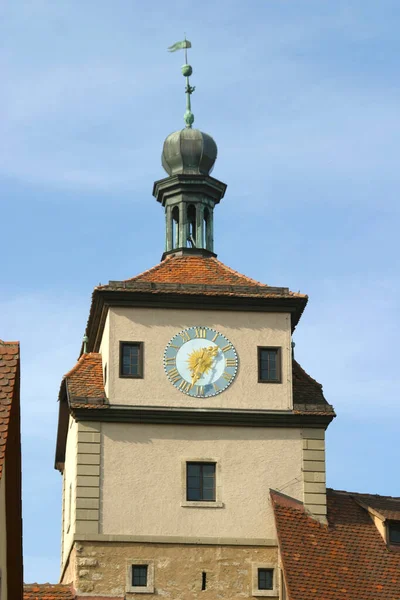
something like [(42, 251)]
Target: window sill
[(201, 504), (139, 590), (266, 593)]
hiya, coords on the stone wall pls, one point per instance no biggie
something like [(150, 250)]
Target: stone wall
[(101, 569)]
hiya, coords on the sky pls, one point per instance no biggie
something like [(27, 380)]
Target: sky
[(302, 99)]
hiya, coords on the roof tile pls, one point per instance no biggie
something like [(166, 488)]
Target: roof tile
[(9, 358), (85, 379), (187, 272), (48, 591), (346, 560)]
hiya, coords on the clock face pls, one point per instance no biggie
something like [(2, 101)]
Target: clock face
[(200, 362)]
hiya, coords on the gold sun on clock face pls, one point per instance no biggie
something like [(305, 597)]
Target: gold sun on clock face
[(200, 362)]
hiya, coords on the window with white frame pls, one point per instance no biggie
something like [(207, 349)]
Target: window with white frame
[(265, 580), (140, 576)]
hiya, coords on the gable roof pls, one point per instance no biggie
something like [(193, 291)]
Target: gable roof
[(9, 379), (47, 591), (345, 560)]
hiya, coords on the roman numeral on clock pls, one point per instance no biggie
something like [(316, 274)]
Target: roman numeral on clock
[(226, 376), (184, 386), (170, 360), (200, 332), (226, 348), (174, 375), (230, 362), (185, 336)]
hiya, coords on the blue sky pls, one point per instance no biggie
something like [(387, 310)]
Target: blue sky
[(302, 99)]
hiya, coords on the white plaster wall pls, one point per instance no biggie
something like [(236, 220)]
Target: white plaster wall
[(105, 351), (155, 327), (3, 536), (70, 478), (141, 483)]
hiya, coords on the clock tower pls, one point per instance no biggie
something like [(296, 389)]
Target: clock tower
[(186, 407)]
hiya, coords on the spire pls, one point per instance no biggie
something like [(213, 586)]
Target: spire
[(189, 194), (187, 71)]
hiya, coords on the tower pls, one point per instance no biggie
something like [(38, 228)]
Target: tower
[(184, 410)]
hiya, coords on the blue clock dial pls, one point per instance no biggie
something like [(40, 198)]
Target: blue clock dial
[(200, 362)]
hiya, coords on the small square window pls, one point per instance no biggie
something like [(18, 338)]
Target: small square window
[(139, 575), (131, 359), (200, 482), (269, 365), (394, 533), (265, 579)]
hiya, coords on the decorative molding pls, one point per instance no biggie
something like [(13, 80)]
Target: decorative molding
[(165, 539), (199, 416)]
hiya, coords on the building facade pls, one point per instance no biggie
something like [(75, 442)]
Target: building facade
[(185, 409)]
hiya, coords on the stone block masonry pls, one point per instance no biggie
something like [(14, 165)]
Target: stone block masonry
[(101, 568), (314, 469), (88, 478)]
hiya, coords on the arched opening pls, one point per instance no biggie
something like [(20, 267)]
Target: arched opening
[(205, 227), (191, 219), (175, 227)]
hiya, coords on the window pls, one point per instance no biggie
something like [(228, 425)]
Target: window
[(139, 575), (269, 365), (131, 359), (394, 533), (265, 579), (200, 482)]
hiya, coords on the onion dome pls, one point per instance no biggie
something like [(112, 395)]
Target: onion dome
[(189, 151)]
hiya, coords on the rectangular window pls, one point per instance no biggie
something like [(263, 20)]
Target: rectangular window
[(265, 579), (131, 359), (139, 575), (200, 482), (394, 533), (269, 365)]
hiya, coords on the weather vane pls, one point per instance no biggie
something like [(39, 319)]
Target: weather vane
[(186, 72)]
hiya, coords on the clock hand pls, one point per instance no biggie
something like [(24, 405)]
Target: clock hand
[(203, 363)]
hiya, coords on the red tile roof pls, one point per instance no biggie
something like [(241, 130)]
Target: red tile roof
[(345, 560), (48, 591), (307, 393), (199, 274), (85, 379), (386, 506), (9, 373)]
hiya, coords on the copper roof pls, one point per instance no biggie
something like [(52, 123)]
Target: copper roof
[(9, 362), (345, 560), (48, 591)]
